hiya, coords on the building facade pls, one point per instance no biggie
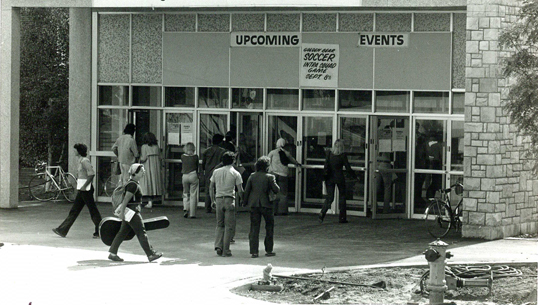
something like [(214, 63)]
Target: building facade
[(415, 91)]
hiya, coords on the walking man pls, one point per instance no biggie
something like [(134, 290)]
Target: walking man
[(222, 192), (126, 150)]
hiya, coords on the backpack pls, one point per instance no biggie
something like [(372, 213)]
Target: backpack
[(283, 158), (118, 194)]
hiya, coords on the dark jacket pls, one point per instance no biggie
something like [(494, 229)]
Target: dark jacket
[(210, 159), (333, 168), (257, 190)]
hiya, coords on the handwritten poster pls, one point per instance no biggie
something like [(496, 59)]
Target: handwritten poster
[(319, 65), (398, 139), (186, 133), (173, 133)]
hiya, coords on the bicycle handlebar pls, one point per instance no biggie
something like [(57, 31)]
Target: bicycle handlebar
[(447, 190)]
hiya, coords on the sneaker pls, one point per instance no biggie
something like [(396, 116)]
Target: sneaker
[(343, 221), (55, 230), (115, 257), (95, 235), (232, 241), (320, 218), (270, 254), (219, 251), (149, 205), (154, 256), (185, 214)]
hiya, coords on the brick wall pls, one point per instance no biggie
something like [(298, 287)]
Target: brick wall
[(501, 192)]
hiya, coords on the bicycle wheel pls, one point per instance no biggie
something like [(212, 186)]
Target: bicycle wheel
[(42, 188), (69, 187), (110, 185), (438, 219)]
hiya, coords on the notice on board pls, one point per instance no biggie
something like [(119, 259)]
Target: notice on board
[(186, 133), (319, 65), (173, 133)]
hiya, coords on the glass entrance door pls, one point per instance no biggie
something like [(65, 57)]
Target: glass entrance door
[(178, 131), (389, 166), (279, 126), (354, 131), (316, 141)]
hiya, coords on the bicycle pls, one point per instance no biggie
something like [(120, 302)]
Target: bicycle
[(440, 217), (111, 182), (50, 181)]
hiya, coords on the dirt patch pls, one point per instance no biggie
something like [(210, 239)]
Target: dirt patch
[(402, 286)]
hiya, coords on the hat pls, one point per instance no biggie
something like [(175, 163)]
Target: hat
[(135, 168)]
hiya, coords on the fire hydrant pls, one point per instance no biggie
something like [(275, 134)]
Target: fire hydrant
[(436, 256)]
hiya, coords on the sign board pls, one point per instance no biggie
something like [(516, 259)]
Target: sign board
[(383, 40), (265, 39), (319, 65)]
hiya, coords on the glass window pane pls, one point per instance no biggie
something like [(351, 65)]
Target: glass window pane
[(104, 172), (355, 100), (210, 125), (213, 97), (179, 96), (392, 101), (113, 95), (458, 103), (354, 135), (147, 96), (283, 99), (315, 99), (110, 127), (317, 139), (430, 102), (433, 133), (456, 154), (177, 133), (248, 98)]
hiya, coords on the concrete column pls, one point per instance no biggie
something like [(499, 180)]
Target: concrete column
[(9, 106), (80, 76)]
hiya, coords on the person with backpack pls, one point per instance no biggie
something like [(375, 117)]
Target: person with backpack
[(129, 212), (84, 194), (278, 166)]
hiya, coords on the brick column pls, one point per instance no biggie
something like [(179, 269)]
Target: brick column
[(9, 105), (501, 192)]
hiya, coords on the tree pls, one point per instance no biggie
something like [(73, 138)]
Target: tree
[(44, 85), (522, 69)]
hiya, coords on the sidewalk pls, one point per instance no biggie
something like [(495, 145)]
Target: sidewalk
[(40, 267)]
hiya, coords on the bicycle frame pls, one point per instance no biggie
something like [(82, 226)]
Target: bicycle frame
[(57, 178), (440, 217)]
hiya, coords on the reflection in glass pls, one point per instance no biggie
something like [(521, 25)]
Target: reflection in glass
[(355, 193), (179, 96), (317, 139), (316, 99), (213, 97), (312, 196), (114, 95), (433, 132), (211, 124), (247, 98), (110, 127), (146, 121), (458, 103), (456, 154), (173, 185), (353, 132), (430, 102), (104, 171), (247, 128), (355, 100), (419, 192), (147, 96), (283, 99), (392, 101)]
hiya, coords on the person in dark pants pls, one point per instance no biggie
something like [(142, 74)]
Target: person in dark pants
[(334, 176), (129, 212), (210, 159), (84, 194), (259, 184)]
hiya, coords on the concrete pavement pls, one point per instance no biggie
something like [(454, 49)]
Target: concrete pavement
[(39, 267)]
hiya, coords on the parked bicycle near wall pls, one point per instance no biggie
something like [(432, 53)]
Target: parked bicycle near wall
[(111, 182), (440, 217), (50, 181)]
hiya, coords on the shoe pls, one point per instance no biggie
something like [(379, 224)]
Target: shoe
[(219, 251), (95, 235), (320, 218), (208, 211), (232, 241), (115, 257), (55, 230), (343, 221), (254, 255), (192, 217), (227, 254), (149, 205), (185, 214), (1, 244), (270, 254), (154, 256)]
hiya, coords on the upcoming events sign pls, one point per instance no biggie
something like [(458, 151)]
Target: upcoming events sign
[(319, 65)]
